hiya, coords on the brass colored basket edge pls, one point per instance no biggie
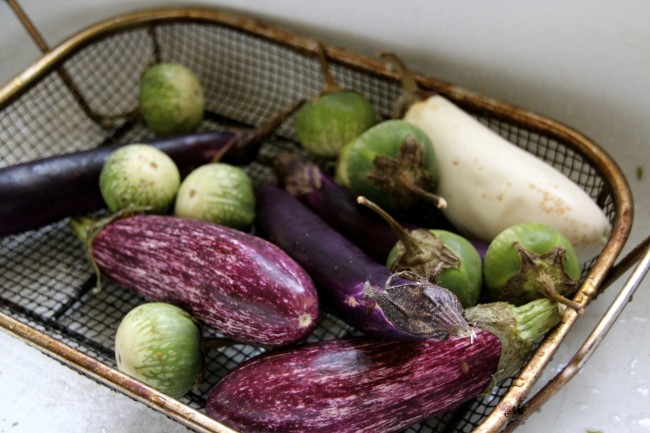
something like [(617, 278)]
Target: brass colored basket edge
[(111, 377), (529, 374)]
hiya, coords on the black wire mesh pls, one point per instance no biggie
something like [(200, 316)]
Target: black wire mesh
[(45, 277)]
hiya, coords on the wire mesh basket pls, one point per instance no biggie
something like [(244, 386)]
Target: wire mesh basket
[(82, 94)]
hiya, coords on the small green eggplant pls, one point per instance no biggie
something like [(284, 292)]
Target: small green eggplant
[(528, 261), (161, 345), (139, 175), (442, 257), (335, 116), (393, 164), (171, 99), (218, 192)]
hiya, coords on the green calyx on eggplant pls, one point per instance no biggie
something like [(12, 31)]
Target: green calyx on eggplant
[(326, 122), (519, 329), (440, 256), (529, 261), (393, 164)]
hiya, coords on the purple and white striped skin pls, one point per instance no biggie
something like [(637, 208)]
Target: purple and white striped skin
[(365, 294), (354, 385), (378, 385), (238, 284)]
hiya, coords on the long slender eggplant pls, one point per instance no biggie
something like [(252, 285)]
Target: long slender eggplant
[(359, 385), (39, 192), (364, 293), (304, 179), (236, 283)]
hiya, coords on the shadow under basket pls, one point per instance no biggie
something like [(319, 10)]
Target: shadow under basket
[(83, 93)]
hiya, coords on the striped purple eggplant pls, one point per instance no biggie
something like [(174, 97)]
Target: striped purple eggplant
[(359, 385), (39, 192), (364, 293), (238, 284)]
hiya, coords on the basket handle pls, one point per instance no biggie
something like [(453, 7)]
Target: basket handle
[(29, 26), (639, 255), (104, 122)]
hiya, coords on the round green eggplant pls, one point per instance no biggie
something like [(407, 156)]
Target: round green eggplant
[(171, 99), (327, 122), (161, 345), (529, 261), (218, 192), (140, 176), (393, 164), (444, 258)]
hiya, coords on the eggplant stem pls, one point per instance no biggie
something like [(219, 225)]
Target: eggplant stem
[(239, 136), (409, 85), (405, 177), (299, 175), (547, 289), (245, 139), (87, 228), (417, 306), (411, 92), (401, 232), (330, 83), (438, 201), (274, 122)]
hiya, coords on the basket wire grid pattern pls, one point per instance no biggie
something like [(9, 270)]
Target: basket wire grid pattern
[(45, 277)]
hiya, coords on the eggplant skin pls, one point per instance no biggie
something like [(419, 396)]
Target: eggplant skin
[(40, 192), (236, 283), (354, 385)]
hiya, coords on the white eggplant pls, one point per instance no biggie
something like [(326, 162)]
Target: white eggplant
[(491, 184)]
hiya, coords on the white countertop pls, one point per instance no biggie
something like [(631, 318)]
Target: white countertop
[(585, 63)]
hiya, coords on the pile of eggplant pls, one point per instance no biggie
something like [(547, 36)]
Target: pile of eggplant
[(450, 250)]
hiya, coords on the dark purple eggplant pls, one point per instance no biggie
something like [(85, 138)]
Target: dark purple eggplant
[(39, 192), (304, 179), (236, 283), (359, 385), (364, 293)]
